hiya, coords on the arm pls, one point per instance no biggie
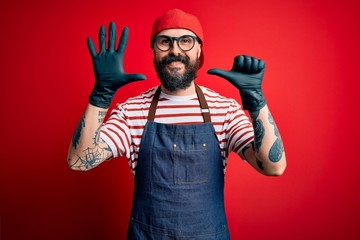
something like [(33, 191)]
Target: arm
[(266, 152), (87, 150)]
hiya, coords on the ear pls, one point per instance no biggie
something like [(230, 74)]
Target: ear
[(199, 51)]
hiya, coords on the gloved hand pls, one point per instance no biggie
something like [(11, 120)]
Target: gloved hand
[(108, 67), (246, 75)]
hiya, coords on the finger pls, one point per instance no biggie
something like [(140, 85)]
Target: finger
[(254, 65), (247, 64), (102, 37), (238, 63), (123, 41), (91, 47), (261, 65), (135, 77), (218, 72), (112, 37)]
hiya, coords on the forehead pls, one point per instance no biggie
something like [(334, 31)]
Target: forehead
[(176, 32)]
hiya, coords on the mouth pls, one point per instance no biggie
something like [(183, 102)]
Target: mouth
[(176, 66)]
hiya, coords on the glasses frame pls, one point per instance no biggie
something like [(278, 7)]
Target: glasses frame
[(172, 39)]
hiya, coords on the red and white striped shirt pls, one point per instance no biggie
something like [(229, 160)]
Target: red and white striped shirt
[(124, 128)]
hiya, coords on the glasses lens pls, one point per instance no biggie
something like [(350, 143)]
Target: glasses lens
[(163, 43), (186, 42)]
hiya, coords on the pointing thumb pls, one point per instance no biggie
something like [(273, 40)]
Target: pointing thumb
[(219, 72), (135, 77)]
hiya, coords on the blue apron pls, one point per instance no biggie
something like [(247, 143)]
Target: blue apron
[(179, 181)]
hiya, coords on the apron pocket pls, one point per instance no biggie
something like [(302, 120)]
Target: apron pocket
[(190, 165)]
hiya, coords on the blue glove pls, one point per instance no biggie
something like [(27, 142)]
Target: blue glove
[(246, 75), (108, 67)]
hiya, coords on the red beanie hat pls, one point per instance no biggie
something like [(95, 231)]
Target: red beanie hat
[(176, 18)]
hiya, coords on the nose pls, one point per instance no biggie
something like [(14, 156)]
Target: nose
[(175, 48)]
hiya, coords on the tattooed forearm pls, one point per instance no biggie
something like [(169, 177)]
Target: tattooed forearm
[(259, 129), (87, 149), (77, 133), (86, 153), (277, 148), (266, 152)]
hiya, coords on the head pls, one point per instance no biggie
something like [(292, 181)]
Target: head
[(176, 40)]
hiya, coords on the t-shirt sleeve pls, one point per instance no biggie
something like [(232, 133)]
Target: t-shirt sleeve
[(116, 133), (240, 131)]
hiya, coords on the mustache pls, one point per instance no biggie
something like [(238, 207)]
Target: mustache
[(172, 58)]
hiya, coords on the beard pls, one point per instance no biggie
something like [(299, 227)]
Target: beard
[(171, 80)]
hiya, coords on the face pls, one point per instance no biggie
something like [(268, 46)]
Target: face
[(177, 68)]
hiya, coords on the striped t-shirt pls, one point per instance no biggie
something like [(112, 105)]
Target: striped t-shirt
[(124, 128)]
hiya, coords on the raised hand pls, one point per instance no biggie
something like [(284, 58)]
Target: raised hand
[(108, 66), (246, 75)]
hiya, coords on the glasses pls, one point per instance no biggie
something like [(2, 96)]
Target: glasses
[(185, 43)]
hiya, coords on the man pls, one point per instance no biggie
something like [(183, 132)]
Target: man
[(177, 137)]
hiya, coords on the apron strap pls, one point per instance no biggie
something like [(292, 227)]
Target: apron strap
[(205, 111), (154, 103)]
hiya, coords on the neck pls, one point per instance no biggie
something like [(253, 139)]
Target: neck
[(181, 92)]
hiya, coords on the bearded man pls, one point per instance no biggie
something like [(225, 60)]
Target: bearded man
[(176, 136)]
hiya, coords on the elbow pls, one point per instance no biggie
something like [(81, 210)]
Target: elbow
[(277, 172), (76, 168), (75, 162), (277, 169), (73, 166)]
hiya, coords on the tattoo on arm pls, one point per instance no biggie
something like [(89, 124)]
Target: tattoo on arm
[(260, 164), (259, 132), (90, 158), (277, 148), (93, 156), (259, 129), (101, 115), (96, 138), (77, 133)]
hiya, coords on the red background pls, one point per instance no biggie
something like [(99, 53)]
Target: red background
[(311, 49)]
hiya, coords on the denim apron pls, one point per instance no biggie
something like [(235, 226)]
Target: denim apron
[(179, 181)]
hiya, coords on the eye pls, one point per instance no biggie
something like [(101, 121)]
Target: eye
[(164, 41), (186, 40)]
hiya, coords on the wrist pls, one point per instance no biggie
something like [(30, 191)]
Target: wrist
[(101, 98), (252, 99)]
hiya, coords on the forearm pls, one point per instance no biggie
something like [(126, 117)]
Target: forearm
[(86, 149), (266, 153)]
